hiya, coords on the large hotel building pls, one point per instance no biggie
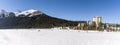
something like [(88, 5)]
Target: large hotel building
[(97, 20)]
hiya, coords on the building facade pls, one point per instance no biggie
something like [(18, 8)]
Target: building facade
[(97, 20)]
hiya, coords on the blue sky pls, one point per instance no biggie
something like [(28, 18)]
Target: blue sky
[(109, 10)]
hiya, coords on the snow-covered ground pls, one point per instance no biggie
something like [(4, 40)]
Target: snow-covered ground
[(57, 37)]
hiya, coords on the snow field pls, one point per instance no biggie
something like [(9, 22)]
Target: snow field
[(57, 37)]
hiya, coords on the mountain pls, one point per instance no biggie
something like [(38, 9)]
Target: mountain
[(4, 14), (29, 13), (34, 19)]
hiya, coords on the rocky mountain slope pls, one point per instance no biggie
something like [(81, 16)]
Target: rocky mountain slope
[(33, 19)]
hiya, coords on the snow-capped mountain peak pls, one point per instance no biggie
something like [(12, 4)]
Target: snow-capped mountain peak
[(30, 12)]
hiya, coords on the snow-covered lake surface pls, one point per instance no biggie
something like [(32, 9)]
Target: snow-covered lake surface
[(57, 37)]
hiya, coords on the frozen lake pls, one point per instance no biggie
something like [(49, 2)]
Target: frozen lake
[(57, 37)]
